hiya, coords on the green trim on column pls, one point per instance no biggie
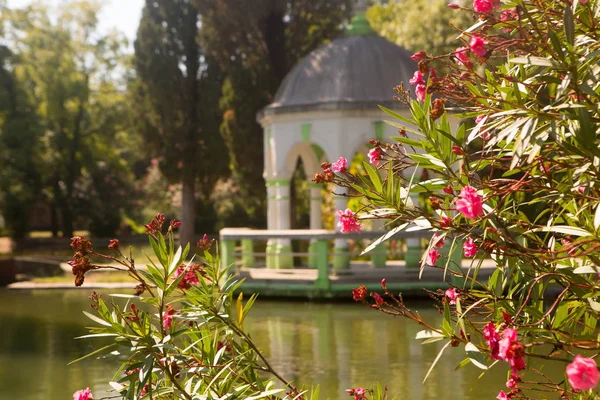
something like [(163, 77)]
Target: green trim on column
[(277, 182), (268, 134), (283, 257), (270, 256), (305, 132), (313, 185), (318, 151), (282, 198), (341, 259), (378, 128), (248, 253), (322, 264), (379, 255), (227, 250)]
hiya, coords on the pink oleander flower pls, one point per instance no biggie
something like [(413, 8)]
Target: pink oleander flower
[(419, 55), (509, 15), (469, 203), (417, 78), (432, 256), (168, 317), (84, 394), (502, 396), (583, 373), (510, 350), (190, 278), (358, 393), (445, 222), (348, 222), (514, 380), (375, 155), (481, 118), (462, 55), (378, 299), (439, 243), (493, 339), (339, 165), (509, 337), (469, 247), (452, 295), (420, 91), (485, 6), (359, 293), (477, 46)]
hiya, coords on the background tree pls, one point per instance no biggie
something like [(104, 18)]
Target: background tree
[(176, 95), (71, 76), (418, 24), (20, 178), (256, 44)]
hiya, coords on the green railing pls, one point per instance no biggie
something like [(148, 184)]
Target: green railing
[(247, 248)]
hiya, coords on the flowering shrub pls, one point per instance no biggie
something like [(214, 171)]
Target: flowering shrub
[(517, 182), (181, 334)]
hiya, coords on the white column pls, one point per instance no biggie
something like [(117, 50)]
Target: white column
[(283, 249), (316, 217), (271, 224)]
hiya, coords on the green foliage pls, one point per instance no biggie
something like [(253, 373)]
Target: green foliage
[(418, 25), (20, 133), (69, 75), (175, 97), (182, 334), (256, 44), (534, 147)]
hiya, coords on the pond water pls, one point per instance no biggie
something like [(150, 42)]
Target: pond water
[(338, 346)]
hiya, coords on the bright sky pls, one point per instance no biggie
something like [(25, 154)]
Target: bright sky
[(124, 15)]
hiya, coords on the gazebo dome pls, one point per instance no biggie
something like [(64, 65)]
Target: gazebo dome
[(350, 73)]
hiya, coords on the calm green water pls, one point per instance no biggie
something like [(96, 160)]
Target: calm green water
[(336, 345)]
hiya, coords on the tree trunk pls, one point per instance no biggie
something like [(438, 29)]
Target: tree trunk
[(54, 218), (188, 212)]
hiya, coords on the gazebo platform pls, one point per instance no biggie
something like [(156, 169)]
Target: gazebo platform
[(299, 283), (322, 280)]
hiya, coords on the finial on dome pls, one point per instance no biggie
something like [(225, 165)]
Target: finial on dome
[(360, 6), (359, 24)]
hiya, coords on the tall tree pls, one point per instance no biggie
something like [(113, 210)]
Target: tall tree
[(419, 24), (178, 87), (256, 44), (69, 70), (20, 178)]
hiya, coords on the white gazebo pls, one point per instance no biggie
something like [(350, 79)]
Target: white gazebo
[(327, 107)]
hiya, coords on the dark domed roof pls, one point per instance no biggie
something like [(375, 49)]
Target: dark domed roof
[(353, 72)]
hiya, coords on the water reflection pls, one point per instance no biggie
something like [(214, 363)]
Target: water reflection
[(336, 345)]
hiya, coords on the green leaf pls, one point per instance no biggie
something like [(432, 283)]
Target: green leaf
[(532, 60), (436, 360), (93, 353), (475, 356), (383, 238), (374, 175), (586, 269), (96, 319), (428, 334), (569, 25), (567, 230)]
